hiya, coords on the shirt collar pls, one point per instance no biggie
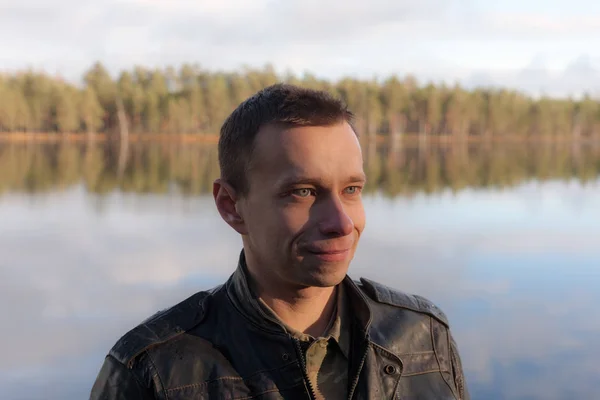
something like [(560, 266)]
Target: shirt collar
[(337, 330), (242, 293)]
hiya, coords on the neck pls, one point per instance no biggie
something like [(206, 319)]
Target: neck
[(308, 311), (304, 309)]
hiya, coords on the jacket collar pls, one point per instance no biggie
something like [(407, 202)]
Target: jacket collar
[(241, 292)]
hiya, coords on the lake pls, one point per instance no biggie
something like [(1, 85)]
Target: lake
[(505, 238)]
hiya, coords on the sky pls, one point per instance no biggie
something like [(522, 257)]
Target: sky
[(547, 47)]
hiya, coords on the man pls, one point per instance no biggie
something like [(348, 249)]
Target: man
[(289, 323)]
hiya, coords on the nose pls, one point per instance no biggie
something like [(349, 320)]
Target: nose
[(334, 220)]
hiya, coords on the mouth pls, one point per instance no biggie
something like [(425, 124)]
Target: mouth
[(330, 254)]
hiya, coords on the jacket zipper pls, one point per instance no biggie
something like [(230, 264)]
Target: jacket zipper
[(312, 395), (356, 378)]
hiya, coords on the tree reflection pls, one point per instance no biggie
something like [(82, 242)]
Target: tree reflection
[(191, 168)]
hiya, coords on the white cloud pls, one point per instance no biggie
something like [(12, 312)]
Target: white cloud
[(473, 41), (541, 25)]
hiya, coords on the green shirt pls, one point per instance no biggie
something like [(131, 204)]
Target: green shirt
[(327, 355)]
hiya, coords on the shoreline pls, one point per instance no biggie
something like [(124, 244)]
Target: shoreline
[(51, 137), (412, 139)]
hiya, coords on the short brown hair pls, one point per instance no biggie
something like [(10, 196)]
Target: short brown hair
[(283, 104)]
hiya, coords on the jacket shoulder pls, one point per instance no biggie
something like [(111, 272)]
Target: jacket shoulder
[(386, 295), (161, 327)]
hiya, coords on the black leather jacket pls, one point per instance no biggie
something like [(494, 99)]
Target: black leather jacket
[(210, 347)]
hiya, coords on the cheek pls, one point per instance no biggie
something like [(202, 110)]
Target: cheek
[(293, 218), (277, 221), (358, 217)]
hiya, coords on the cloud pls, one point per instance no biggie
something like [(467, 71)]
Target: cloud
[(197, 30), (579, 76), (542, 25), (469, 41)]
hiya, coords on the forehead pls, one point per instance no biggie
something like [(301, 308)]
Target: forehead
[(317, 152)]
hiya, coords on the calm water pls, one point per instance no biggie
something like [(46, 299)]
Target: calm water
[(506, 240)]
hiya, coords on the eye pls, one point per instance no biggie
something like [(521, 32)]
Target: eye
[(352, 189), (303, 192)]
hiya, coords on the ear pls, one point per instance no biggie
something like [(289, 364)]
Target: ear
[(226, 200)]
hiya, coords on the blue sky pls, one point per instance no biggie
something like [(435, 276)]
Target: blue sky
[(550, 47)]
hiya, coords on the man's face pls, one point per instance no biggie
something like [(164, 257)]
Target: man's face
[(303, 213)]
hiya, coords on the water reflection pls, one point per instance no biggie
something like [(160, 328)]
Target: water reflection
[(516, 269), (190, 168)]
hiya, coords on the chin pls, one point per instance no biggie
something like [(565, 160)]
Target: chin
[(326, 274)]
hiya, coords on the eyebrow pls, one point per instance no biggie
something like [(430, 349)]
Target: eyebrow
[(362, 178), (304, 180)]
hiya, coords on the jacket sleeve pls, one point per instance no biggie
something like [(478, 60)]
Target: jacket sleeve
[(457, 371), (117, 382)]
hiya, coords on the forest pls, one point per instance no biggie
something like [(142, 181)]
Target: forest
[(192, 100)]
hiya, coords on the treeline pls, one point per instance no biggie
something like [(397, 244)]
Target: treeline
[(189, 169), (196, 101)]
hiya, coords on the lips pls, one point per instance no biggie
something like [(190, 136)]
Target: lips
[(329, 254), (327, 251), (332, 256), (328, 248)]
